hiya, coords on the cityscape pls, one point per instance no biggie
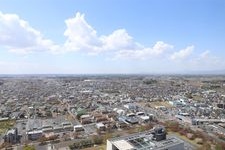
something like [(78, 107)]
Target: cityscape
[(112, 75), (101, 111)]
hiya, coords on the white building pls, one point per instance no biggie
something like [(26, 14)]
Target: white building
[(144, 140), (78, 128)]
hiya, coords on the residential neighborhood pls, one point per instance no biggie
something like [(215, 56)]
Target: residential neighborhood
[(59, 111)]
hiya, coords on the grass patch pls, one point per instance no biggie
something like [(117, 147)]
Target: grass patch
[(5, 125)]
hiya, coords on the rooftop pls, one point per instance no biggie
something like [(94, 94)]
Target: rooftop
[(11, 131), (143, 141)]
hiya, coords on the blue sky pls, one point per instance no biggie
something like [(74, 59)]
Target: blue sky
[(86, 36)]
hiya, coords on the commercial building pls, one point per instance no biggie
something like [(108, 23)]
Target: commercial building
[(149, 140)]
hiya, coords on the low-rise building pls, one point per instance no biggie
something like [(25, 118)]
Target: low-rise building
[(78, 128), (100, 126), (34, 135), (153, 139)]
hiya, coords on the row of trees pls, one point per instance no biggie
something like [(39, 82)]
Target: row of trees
[(205, 140), (87, 143), (44, 139)]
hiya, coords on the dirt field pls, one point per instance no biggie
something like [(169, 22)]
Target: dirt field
[(156, 104)]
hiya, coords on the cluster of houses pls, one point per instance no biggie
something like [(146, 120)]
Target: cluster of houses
[(106, 102)]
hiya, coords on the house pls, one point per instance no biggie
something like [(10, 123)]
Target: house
[(78, 128), (100, 126)]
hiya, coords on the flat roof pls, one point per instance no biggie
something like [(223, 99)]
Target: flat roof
[(144, 117), (78, 126), (100, 124), (58, 127), (68, 126), (123, 144), (143, 141), (34, 132)]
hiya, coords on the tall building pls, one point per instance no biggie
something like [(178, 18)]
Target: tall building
[(149, 140)]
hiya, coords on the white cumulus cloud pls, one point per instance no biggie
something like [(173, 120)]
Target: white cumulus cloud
[(206, 60), (18, 36), (182, 54), (205, 55), (144, 52), (118, 40), (82, 36)]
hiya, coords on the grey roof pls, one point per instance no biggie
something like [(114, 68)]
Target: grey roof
[(144, 141)]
